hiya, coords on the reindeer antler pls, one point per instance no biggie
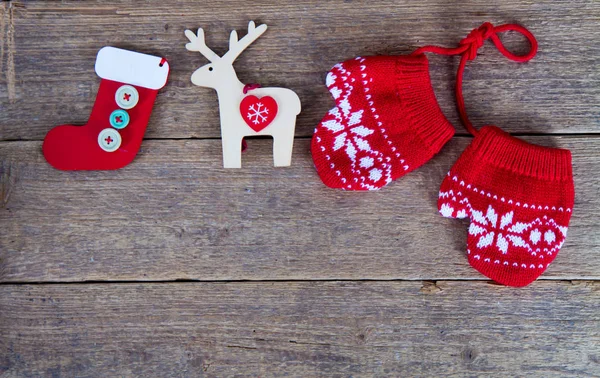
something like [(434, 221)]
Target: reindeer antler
[(197, 43), (237, 46)]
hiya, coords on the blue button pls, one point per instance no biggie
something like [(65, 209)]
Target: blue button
[(119, 119)]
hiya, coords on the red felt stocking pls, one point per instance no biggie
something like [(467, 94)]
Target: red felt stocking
[(116, 127), (518, 196)]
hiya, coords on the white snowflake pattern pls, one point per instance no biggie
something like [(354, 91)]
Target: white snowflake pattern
[(351, 134), (257, 113), (501, 231)]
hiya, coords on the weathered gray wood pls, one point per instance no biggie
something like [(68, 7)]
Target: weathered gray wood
[(47, 54), (174, 213), (327, 329)]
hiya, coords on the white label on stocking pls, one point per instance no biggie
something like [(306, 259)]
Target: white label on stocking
[(131, 67)]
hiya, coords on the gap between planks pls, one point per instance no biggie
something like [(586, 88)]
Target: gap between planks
[(308, 137), (253, 281)]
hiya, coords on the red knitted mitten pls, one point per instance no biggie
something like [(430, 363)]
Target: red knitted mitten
[(519, 198), (386, 122)]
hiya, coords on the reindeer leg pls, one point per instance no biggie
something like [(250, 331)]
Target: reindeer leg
[(232, 151), (283, 143)]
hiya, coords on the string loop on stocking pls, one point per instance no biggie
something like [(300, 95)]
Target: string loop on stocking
[(468, 48)]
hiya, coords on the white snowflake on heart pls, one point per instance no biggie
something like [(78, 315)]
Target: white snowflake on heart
[(502, 234), (257, 113)]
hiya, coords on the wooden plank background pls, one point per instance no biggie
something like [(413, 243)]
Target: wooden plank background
[(329, 329), (342, 284)]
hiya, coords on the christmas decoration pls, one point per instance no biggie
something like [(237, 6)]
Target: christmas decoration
[(114, 132), (246, 110), (518, 196), (258, 112), (386, 122)]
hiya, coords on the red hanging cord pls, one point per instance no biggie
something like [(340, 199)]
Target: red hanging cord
[(468, 47), (250, 87)]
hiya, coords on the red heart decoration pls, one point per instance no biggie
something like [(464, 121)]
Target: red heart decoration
[(258, 112)]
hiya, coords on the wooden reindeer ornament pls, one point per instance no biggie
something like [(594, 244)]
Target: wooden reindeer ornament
[(246, 110)]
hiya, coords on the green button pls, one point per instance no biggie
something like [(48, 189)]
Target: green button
[(119, 119)]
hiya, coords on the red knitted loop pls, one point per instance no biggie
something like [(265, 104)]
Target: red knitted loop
[(468, 50)]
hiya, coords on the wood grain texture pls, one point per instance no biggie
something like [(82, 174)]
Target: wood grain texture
[(327, 329), (174, 213), (51, 47)]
